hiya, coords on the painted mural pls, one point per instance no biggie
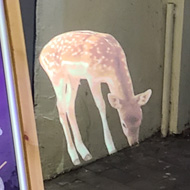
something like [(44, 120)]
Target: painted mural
[(8, 171), (98, 58)]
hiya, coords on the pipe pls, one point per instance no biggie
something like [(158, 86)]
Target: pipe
[(167, 69), (176, 68)]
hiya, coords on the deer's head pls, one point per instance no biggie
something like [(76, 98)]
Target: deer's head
[(130, 113)]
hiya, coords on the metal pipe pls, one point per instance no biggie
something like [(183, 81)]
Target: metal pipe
[(167, 69)]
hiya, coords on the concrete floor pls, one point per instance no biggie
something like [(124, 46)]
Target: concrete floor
[(157, 164)]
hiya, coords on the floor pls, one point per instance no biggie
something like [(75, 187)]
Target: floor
[(157, 164)]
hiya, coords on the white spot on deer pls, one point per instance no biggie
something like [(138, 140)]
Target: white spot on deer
[(75, 53), (90, 41), (70, 34), (53, 54), (52, 46), (62, 42), (123, 59), (98, 51), (108, 50), (59, 39), (59, 49)]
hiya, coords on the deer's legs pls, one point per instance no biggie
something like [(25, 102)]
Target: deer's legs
[(98, 98), (61, 105), (70, 98)]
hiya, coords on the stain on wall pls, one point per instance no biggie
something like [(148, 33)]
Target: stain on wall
[(139, 28)]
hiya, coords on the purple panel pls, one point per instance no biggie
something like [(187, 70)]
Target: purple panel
[(8, 172)]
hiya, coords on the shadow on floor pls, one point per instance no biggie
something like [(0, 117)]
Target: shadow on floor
[(157, 164)]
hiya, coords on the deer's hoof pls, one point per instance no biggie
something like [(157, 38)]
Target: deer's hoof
[(112, 151), (76, 162), (88, 157)]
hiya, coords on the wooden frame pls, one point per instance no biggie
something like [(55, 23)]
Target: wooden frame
[(26, 149)]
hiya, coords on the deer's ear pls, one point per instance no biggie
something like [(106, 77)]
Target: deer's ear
[(143, 98), (114, 101)]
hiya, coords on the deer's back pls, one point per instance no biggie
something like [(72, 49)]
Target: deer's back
[(82, 54)]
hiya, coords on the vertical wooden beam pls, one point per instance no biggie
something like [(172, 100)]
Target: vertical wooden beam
[(24, 97)]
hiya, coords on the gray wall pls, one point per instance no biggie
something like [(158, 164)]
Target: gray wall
[(139, 27), (184, 98)]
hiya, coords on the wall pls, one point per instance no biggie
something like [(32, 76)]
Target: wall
[(139, 27), (184, 100)]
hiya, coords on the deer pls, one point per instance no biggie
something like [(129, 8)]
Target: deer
[(97, 58)]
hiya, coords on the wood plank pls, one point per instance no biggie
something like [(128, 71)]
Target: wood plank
[(24, 97)]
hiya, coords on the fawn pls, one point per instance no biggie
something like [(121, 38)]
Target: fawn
[(98, 58)]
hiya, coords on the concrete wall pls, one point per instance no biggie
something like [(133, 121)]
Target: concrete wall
[(139, 27), (184, 100)]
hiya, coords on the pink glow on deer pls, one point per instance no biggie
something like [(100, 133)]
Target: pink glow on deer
[(98, 58)]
